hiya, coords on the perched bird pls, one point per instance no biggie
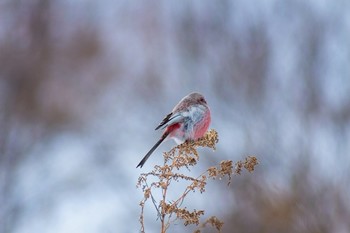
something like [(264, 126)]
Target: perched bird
[(189, 120)]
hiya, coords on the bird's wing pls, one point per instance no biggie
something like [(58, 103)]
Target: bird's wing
[(169, 120)]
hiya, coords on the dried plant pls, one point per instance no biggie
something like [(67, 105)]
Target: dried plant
[(178, 158)]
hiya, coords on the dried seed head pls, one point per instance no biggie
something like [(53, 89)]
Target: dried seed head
[(250, 163)]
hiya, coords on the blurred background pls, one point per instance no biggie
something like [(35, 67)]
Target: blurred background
[(84, 83)]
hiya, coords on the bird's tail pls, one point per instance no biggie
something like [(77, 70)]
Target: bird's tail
[(152, 149)]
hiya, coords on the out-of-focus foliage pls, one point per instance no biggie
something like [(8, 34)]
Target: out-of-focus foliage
[(82, 83)]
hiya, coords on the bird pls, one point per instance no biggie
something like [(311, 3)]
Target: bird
[(188, 121)]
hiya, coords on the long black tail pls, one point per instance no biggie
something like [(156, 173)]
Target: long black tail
[(152, 149)]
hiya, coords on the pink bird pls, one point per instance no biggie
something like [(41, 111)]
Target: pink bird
[(189, 120)]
